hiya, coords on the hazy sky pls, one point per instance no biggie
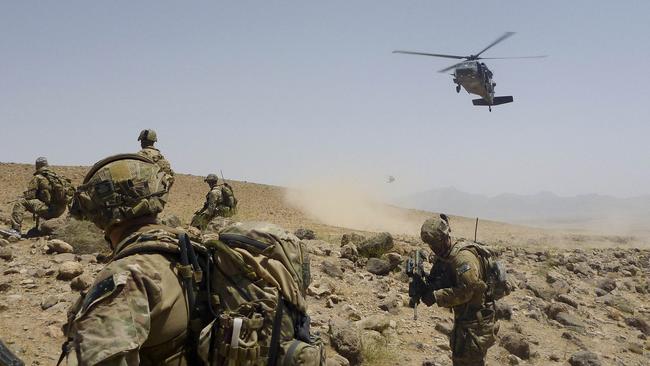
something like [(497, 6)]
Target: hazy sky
[(280, 91)]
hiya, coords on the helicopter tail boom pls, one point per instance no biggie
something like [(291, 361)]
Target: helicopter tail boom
[(495, 101)]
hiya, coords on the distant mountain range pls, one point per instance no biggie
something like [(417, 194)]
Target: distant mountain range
[(544, 208)]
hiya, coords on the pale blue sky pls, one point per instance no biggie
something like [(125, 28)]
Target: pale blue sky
[(276, 91)]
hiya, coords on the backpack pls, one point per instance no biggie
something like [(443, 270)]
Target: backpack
[(254, 291), (495, 272), (228, 196), (61, 189)]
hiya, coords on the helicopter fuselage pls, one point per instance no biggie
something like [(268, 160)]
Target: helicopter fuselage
[(475, 78)]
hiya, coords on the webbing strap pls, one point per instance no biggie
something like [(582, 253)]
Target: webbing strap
[(288, 358), (275, 334)]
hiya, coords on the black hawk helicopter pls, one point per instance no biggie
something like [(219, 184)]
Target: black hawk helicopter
[(474, 76)]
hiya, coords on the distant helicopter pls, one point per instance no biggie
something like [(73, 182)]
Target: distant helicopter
[(390, 179), (474, 76)]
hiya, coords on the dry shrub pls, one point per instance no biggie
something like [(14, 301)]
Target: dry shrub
[(84, 236)]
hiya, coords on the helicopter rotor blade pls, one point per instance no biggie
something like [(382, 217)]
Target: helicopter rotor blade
[(510, 58), (450, 67), (500, 39), (431, 54)]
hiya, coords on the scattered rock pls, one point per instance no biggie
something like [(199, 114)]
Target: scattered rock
[(607, 284), (303, 234), (443, 328), (346, 341), (352, 238), (569, 320), (49, 301), (392, 305), (376, 246), (516, 344), (3, 242), (566, 299), (49, 227), (375, 322), (584, 358), (59, 246), (349, 251), (503, 310), (332, 269), (69, 270), (6, 254), (378, 266), (639, 324), (82, 282)]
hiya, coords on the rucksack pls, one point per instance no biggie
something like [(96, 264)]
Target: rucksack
[(495, 272), (254, 290), (228, 195), (61, 189)]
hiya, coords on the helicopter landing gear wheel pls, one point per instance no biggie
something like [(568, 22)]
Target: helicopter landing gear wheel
[(458, 88)]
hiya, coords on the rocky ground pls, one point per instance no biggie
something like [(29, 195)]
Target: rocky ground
[(581, 299)]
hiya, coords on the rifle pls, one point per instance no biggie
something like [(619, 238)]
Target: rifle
[(7, 358), (415, 270)]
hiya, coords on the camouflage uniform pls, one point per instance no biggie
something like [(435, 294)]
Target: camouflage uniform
[(147, 139), (38, 200), (215, 203), (462, 289), (135, 313)]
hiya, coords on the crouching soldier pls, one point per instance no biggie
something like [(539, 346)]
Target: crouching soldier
[(458, 280)]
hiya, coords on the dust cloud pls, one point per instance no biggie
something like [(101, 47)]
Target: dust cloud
[(348, 204)]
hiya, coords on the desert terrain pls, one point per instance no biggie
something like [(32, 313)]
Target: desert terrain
[(581, 298)]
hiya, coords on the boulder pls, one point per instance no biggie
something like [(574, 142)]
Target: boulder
[(82, 282), (49, 301), (349, 251), (376, 246), (584, 358), (337, 360), (6, 254), (516, 344), (303, 234), (346, 340), (639, 324), (503, 310), (3, 243), (331, 269), (52, 226), (69, 270), (607, 284), (59, 246), (379, 266), (352, 238), (376, 322)]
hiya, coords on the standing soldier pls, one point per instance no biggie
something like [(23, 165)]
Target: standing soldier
[(46, 197), (147, 139), (220, 201), (458, 280), (136, 312)]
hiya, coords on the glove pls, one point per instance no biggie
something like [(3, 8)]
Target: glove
[(416, 288)]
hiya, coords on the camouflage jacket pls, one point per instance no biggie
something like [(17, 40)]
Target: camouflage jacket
[(154, 155), (39, 187), (213, 200), (466, 291), (135, 313)]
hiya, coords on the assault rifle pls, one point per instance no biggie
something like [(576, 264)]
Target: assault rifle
[(7, 358), (415, 270)]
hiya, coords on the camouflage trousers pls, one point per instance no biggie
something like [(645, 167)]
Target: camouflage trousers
[(471, 339), (35, 207), (201, 219)]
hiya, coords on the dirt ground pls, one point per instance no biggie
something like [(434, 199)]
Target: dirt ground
[(611, 325)]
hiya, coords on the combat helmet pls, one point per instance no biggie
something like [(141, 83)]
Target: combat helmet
[(120, 188), (435, 232), (211, 178), (148, 135), (41, 162)]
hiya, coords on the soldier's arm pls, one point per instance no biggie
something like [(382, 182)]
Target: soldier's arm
[(214, 198), (32, 188), (467, 267), (114, 319), (44, 189)]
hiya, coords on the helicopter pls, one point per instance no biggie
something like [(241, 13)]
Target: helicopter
[(474, 76)]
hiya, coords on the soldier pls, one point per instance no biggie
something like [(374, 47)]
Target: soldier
[(46, 197), (220, 201), (458, 281), (136, 311), (147, 139)]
